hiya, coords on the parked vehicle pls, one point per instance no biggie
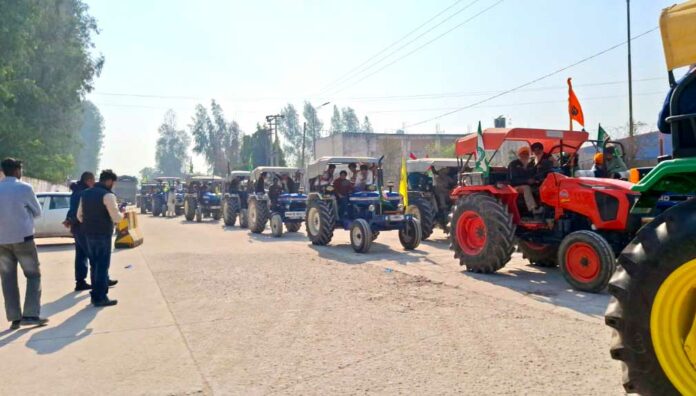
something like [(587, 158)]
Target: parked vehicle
[(365, 211), (584, 224), (234, 200), (203, 198), (54, 209), (653, 305), (144, 198), (126, 190), (165, 184), (429, 202), (280, 203)]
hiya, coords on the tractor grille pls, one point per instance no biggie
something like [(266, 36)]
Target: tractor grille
[(608, 206)]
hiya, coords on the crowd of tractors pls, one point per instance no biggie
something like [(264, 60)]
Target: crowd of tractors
[(632, 232)]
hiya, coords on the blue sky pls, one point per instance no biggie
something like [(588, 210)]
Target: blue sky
[(256, 56)]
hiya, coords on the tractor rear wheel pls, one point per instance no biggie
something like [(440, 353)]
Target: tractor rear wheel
[(199, 214), (216, 214), (230, 208), (258, 215), (156, 207), (424, 211), (539, 254), (410, 234), (143, 209), (189, 209), (320, 222), (277, 225), (653, 308), (482, 233), (293, 227), (587, 261), (244, 218), (360, 236)]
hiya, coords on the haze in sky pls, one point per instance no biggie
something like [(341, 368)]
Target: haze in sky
[(254, 57)]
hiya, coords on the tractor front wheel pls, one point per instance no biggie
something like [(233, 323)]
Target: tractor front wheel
[(276, 225), (360, 236), (423, 210), (293, 227), (482, 233), (229, 211), (653, 306), (189, 209), (320, 222), (199, 215), (587, 261), (538, 254), (410, 234)]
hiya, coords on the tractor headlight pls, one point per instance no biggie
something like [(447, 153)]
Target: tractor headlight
[(371, 208), (400, 207), (329, 188), (371, 188)]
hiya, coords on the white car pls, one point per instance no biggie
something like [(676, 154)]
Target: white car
[(54, 208)]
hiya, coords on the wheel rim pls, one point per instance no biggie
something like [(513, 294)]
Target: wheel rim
[(471, 233), (414, 211), (276, 222), (582, 262), (314, 221), (673, 327), (252, 213), (357, 236)]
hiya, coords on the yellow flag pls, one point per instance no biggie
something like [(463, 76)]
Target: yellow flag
[(403, 183)]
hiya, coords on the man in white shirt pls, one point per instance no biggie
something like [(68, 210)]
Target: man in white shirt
[(18, 208)]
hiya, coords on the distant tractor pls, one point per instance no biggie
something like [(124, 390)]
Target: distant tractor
[(653, 305), (165, 184), (144, 198), (234, 200), (274, 197), (583, 222), (126, 190), (203, 198), (429, 183), (357, 203)]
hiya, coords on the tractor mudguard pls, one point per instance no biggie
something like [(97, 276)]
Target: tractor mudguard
[(675, 176)]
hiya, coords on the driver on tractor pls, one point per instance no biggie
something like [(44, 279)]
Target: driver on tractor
[(287, 184), (364, 178), (442, 185), (274, 192), (342, 188), (260, 187), (521, 174)]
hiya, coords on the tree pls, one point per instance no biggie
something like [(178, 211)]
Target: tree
[(172, 147), (367, 126), (290, 128), (91, 137), (314, 127), (336, 122), (46, 68), (216, 139), (148, 173), (350, 120)]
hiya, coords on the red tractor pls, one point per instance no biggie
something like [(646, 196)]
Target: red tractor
[(583, 224)]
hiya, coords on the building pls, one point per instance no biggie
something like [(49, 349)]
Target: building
[(392, 146)]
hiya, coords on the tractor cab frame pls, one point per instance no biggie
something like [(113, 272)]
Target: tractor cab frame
[(203, 198), (278, 204), (427, 201), (234, 200)]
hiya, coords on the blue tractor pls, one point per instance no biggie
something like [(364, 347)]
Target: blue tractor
[(275, 197), (234, 200), (203, 198), (165, 184), (348, 193), (144, 199)]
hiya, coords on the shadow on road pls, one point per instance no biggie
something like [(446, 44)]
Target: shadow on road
[(344, 253), (55, 338), (64, 303), (547, 285), (287, 236)]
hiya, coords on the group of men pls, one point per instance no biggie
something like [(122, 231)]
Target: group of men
[(526, 174), (343, 185)]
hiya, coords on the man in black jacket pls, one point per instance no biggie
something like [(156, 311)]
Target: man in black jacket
[(543, 163), (86, 181), (98, 211), (521, 174)]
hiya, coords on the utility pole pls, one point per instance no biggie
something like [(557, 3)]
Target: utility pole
[(304, 136), (630, 76), (273, 122), (314, 129)]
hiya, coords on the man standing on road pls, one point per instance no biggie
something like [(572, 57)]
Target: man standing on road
[(86, 181), (18, 208), (98, 211)]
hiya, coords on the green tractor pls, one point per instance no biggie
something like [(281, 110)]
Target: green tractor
[(653, 305)]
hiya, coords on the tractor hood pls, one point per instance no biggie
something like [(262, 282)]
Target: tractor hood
[(211, 198), (294, 197), (599, 183), (369, 197)]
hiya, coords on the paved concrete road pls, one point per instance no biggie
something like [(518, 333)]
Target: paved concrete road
[(208, 310)]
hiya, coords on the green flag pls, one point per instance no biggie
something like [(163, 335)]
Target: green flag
[(602, 137), (481, 165)]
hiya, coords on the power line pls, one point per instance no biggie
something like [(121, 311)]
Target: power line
[(352, 73), (545, 76), (420, 47)]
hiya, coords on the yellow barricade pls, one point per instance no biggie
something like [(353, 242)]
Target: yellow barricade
[(128, 233)]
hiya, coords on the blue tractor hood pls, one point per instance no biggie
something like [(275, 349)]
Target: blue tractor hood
[(285, 197), (211, 198)]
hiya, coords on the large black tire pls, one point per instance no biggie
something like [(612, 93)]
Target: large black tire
[(539, 255), (496, 238), (587, 261), (276, 225), (189, 209), (659, 249), (293, 227), (410, 234), (320, 222), (244, 218), (217, 214), (360, 236), (199, 214), (230, 209), (143, 209), (258, 215), (156, 207), (424, 211)]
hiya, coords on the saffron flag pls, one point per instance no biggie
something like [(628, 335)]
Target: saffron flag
[(403, 183), (481, 165), (574, 108)]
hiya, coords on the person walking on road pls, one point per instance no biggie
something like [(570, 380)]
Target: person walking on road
[(86, 181), (18, 208), (98, 212)]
